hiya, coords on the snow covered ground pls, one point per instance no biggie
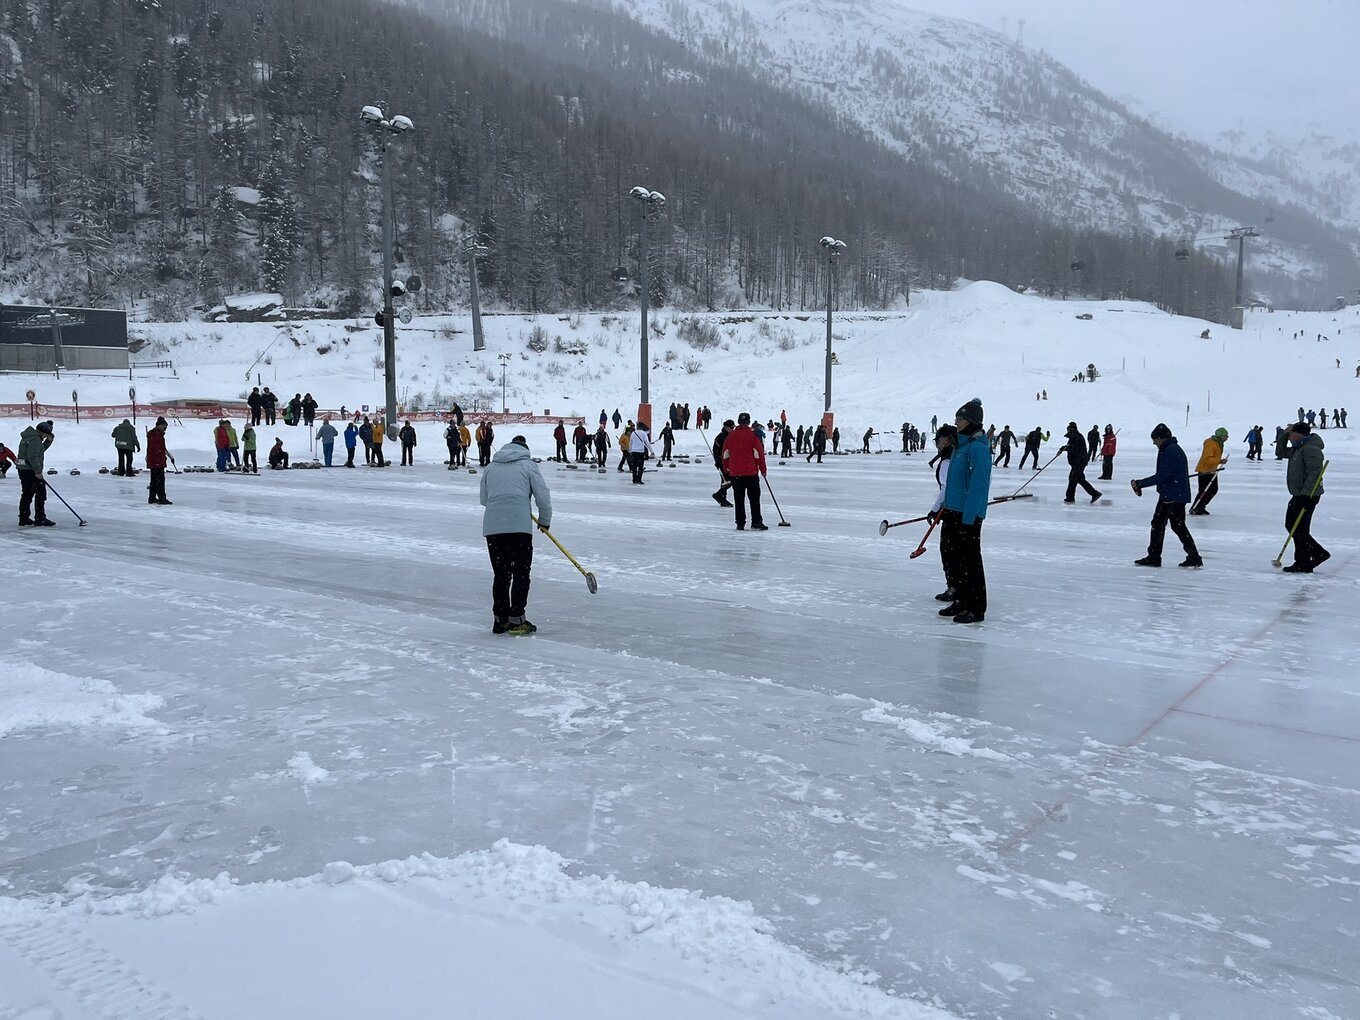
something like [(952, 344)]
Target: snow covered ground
[(260, 754)]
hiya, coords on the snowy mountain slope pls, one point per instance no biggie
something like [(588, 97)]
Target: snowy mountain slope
[(964, 98)]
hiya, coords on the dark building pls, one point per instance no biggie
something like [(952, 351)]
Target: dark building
[(38, 338)]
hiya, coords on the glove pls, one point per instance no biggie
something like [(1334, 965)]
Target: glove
[(543, 527), (932, 517), (1137, 489)]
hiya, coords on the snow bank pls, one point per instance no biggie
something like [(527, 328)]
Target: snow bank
[(32, 697)]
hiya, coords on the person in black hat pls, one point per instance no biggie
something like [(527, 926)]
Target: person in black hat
[(966, 489), (725, 480), (1304, 479), (1172, 480), (33, 444), (1078, 457), (510, 481)]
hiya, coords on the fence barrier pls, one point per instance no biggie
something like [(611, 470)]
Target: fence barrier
[(238, 409)]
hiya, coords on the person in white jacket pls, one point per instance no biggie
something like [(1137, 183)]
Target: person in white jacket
[(508, 483), (639, 449), (945, 438)]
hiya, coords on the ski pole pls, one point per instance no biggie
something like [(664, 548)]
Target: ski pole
[(591, 584), (82, 520), (920, 549), (883, 526), (1036, 474), (1279, 560), (782, 523)]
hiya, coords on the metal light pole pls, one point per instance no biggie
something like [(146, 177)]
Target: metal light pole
[(652, 203), (504, 360), (472, 249), (373, 116), (834, 249)]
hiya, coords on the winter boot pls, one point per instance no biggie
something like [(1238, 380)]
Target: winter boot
[(519, 626), (1148, 561), (1095, 497), (951, 610), (945, 596), (968, 617), (25, 522), (1192, 561), (45, 522), (500, 626)]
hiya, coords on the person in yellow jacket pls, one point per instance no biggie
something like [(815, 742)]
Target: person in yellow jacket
[(1206, 471), (624, 438), (379, 432), (466, 437)]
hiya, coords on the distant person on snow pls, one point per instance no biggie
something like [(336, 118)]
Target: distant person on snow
[(33, 444), (454, 442), (351, 441), (818, 448), (1172, 479), (379, 435), (248, 447), (7, 457), (867, 436), (560, 438), (1093, 443), (1254, 442), (601, 446), (327, 434), (725, 480)]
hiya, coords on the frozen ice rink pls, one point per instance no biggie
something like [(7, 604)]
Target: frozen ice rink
[(1128, 794)]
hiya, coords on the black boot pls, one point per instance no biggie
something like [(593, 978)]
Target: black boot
[(1148, 561)]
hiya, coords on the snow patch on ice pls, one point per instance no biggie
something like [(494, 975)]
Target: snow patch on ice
[(929, 734), (31, 697), (306, 770)]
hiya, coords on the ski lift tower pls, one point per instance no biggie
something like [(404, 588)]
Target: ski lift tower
[(1240, 235)]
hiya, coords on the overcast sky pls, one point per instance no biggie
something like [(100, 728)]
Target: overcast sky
[(1199, 66)]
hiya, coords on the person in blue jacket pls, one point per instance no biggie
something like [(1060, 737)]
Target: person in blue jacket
[(351, 441), (966, 489), (1173, 493)]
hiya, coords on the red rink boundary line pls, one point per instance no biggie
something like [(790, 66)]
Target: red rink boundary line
[(216, 412), (1058, 806)]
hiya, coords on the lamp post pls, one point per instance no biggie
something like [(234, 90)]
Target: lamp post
[(651, 202), (504, 359), (386, 127), (834, 249)]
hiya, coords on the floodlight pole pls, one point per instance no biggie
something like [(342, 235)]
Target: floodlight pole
[(826, 393), (478, 340), (389, 317)]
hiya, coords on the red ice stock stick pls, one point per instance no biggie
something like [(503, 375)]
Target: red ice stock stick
[(920, 549)]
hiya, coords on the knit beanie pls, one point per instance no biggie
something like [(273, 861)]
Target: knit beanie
[(1161, 431), (971, 412)]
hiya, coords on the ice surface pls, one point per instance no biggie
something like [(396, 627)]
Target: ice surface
[(1127, 794)]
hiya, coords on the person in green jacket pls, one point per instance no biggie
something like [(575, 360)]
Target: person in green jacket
[(1304, 480), (125, 441), (233, 446), (33, 444), (248, 440)]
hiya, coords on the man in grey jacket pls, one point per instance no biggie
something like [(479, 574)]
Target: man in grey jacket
[(508, 483), (1304, 479)]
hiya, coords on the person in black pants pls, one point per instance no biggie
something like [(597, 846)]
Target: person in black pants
[(639, 449), (507, 487), (1172, 480), (1006, 439), (966, 488), (1077, 459), (1032, 441), (256, 403), (724, 479), (268, 401), (1303, 476)]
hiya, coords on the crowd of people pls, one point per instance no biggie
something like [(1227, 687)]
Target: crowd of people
[(966, 452)]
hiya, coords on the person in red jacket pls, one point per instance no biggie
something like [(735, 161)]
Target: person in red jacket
[(7, 458), (744, 458), (1107, 446), (222, 440), (156, 456), (560, 437)]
